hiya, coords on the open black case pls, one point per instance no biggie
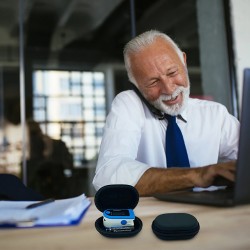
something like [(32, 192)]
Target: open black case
[(118, 196)]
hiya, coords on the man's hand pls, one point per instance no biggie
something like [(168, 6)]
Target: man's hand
[(211, 175), (162, 180)]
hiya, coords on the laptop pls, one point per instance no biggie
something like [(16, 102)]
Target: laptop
[(239, 193)]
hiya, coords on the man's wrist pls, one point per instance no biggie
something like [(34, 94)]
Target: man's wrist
[(194, 176)]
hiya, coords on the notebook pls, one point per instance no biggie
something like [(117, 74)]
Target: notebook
[(239, 193)]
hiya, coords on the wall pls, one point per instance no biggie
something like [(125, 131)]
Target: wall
[(213, 51), (240, 19)]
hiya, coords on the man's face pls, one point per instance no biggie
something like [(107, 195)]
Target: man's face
[(161, 76)]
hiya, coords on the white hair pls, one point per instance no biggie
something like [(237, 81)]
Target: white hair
[(141, 41)]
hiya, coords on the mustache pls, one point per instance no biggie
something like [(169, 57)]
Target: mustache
[(165, 97)]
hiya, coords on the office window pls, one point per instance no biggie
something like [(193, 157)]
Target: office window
[(70, 106)]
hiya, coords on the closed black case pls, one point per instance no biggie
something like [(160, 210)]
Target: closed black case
[(119, 196), (175, 226)]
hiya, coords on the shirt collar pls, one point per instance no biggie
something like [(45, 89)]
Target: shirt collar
[(183, 115)]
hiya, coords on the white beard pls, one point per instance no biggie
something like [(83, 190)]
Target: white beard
[(177, 108)]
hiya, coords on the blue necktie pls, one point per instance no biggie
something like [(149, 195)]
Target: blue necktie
[(176, 152)]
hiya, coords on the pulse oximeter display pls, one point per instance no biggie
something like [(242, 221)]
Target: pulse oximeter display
[(118, 212), (118, 219)]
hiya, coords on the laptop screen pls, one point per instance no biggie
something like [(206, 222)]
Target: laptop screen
[(242, 188)]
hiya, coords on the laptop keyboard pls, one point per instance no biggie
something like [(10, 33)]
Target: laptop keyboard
[(221, 197)]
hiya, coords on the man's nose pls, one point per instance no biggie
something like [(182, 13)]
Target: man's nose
[(168, 86)]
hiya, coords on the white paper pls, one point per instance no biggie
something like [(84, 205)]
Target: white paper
[(211, 188), (59, 212)]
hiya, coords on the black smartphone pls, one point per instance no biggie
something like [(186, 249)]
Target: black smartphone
[(155, 111)]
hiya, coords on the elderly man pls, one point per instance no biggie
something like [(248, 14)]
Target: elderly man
[(135, 146)]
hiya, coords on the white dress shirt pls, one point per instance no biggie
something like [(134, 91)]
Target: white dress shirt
[(134, 139)]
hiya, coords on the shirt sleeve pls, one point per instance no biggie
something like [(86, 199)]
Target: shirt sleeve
[(117, 162)]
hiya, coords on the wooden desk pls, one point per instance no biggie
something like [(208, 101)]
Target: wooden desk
[(221, 228)]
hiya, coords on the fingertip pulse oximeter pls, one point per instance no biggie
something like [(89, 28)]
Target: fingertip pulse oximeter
[(117, 203), (119, 219)]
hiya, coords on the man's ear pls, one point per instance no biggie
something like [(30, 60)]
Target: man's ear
[(184, 58)]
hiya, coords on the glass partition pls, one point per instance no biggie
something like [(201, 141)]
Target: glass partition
[(73, 68), (10, 128)]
